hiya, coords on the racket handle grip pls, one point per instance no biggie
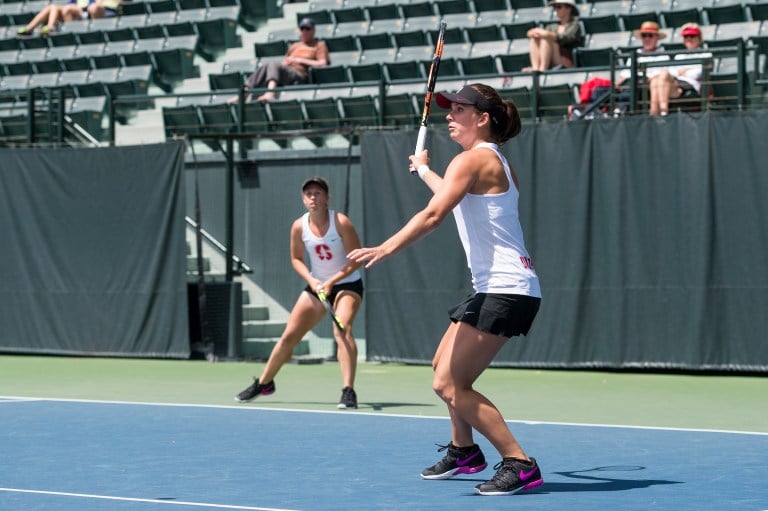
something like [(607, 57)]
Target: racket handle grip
[(420, 140)]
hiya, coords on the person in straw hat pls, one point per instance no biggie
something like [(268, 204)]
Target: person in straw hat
[(552, 46), (649, 34)]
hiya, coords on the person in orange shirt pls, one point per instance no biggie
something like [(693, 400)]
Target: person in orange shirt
[(294, 68)]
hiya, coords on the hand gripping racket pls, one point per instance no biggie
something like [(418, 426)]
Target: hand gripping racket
[(327, 305), (430, 91)]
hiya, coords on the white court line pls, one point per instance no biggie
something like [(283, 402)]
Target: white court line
[(130, 499), (17, 399), (251, 408)]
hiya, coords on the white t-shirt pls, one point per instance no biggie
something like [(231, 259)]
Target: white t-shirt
[(326, 254), (693, 72), (650, 71), (490, 231)]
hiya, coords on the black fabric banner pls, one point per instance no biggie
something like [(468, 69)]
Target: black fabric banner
[(93, 254), (649, 236)]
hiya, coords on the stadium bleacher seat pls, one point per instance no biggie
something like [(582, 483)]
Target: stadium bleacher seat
[(553, 101), (605, 7), (322, 113), (592, 57), (536, 14), (636, 18), (330, 74), (218, 117), (514, 62), (489, 48), (350, 20), (181, 121), (484, 33), (343, 50), (675, 19), (288, 115), (400, 110), (88, 113), (403, 70), (733, 13), (483, 65), (411, 38), (521, 96), (599, 24)]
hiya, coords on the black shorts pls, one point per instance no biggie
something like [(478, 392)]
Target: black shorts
[(686, 89), (354, 286), (497, 314)]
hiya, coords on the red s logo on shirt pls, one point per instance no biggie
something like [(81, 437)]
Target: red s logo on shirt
[(324, 252)]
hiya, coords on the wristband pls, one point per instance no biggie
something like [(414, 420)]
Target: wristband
[(421, 170)]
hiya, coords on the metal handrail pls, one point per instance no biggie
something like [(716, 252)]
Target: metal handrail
[(240, 266)]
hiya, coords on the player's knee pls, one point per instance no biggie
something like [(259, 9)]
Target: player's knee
[(444, 389)]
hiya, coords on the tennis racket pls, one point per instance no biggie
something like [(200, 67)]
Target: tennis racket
[(327, 305), (430, 91)]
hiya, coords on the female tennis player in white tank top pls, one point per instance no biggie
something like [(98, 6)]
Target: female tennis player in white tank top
[(481, 190), (326, 236)]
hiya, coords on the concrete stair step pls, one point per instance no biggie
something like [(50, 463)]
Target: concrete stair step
[(192, 264), (260, 348), (263, 329), (255, 313)]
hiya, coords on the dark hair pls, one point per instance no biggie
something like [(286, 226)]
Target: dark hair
[(502, 131)]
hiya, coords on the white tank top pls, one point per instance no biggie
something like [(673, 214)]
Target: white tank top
[(490, 231), (326, 254)]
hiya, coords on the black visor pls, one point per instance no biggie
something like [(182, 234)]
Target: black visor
[(468, 96)]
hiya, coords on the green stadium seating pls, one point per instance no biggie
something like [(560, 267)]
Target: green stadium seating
[(181, 121), (400, 110), (403, 70), (734, 13), (553, 101), (675, 19)]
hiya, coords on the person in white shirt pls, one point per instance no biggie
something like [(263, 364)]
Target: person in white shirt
[(325, 237), (481, 189)]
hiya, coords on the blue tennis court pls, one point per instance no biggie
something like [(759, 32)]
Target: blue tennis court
[(61, 455)]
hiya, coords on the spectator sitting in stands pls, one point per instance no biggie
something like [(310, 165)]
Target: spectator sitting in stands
[(649, 35), (552, 46), (679, 81), (73, 10), (294, 68), (595, 89)]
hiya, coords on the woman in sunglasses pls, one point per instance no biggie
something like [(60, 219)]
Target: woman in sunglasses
[(552, 46)]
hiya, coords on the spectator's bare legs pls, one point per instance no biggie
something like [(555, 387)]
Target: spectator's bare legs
[(462, 356), (662, 87), (545, 52), (306, 313), (71, 12), (270, 94), (49, 15), (96, 10), (346, 306)]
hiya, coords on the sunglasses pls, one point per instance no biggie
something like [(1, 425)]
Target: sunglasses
[(644, 36), (690, 36), (559, 6), (305, 29)]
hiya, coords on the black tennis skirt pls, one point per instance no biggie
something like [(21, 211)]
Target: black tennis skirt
[(497, 314), (356, 286)]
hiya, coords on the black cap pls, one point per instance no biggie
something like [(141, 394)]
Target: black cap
[(307, 22), (468, 96), (316, 180)]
